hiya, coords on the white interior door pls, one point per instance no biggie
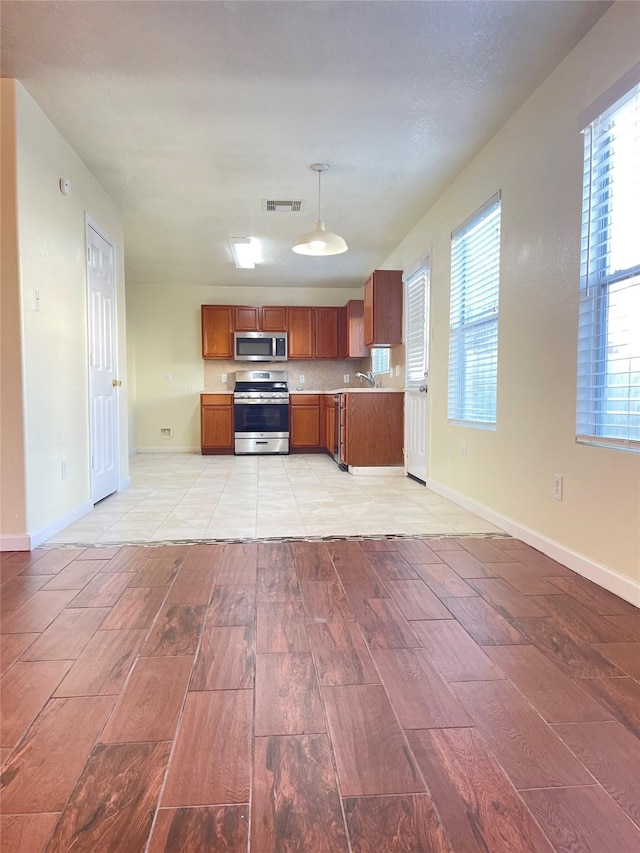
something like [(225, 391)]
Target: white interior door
[(416, 419), (103, 382), (416, 337)]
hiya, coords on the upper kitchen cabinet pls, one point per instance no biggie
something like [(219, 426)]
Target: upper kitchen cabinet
[(383, 308), (269, 318), (300, 332), (246, 318), (355, 347), (313, 332), (217, 331), (274, 318), (325, 322)]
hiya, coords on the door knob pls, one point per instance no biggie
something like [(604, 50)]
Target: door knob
[(423, 389), (116, 383)]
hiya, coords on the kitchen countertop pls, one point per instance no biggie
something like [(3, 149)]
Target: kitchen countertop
[(350, 391)]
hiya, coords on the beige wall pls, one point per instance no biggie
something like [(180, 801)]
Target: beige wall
[(165, 326), (536, 160), (12, 470), (52, 252)]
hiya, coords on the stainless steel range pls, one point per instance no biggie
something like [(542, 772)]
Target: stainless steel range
[(261, 411)]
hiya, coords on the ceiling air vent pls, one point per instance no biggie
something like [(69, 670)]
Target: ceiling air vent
[(280, 206)]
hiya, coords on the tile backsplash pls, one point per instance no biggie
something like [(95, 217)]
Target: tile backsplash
[(319, 374), (396, 376)]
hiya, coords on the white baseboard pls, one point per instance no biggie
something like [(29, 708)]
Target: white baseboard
[(15, 542), (379, 471), (124, 484), (29, 541), (618, 584), (168, 450)]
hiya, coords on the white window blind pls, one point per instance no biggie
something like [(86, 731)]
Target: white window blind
[(608, 390), (416, 325), (379, 360), (473, 320)]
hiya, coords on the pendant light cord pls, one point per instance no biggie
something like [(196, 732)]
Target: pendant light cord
[(319, 191)]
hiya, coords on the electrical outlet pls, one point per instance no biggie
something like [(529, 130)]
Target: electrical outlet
[(166, 432), (557, 487), (301, 378), (463, 452), (190, 389), (167, 377), (223, 376), (63, 469), (345, 378)]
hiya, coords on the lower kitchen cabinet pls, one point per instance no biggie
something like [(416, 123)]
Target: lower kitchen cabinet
[(216, 423), (372, 429), (328, 423), (304, 422)]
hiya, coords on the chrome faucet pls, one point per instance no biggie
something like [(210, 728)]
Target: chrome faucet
[(369, 377)]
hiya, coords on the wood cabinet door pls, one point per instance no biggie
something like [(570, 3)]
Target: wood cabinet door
[(355, 330), (329, 423), (216, 424), (304, 429), (300, 332), (217, 331), (383, 308), (274, 318), (246, 318), (368, 311), (343, 334), (304, 422), (326, 332)]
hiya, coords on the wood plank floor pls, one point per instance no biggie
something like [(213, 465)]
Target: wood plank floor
[(391, 696)]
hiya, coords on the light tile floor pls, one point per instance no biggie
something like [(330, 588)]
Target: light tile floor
[(187, 496)]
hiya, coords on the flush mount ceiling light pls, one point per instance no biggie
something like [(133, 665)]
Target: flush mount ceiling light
[(320, 241), (244, 251)]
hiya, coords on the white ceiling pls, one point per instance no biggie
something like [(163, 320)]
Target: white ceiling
[(191, 113)]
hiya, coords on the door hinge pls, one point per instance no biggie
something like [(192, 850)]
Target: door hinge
[(93, 463)]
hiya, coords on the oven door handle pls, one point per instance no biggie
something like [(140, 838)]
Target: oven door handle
[(264, 402)]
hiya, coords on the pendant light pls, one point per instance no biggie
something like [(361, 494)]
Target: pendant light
[(320, 241)]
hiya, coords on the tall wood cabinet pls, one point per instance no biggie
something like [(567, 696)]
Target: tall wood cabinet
[(383, 308)]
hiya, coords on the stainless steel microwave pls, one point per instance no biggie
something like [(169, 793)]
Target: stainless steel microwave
[(260, 346)]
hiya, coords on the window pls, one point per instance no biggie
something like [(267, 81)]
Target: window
[(379, 360), (416, 324), (473, 320), (608, 392)]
